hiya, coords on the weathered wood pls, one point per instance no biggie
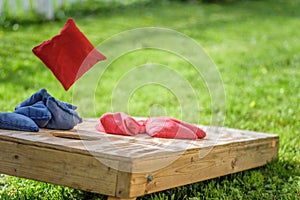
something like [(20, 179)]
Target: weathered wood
[(124, 180), (58, 167), (190, 168), (127, 167)]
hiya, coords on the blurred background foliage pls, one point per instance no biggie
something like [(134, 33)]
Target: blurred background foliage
[(255, 45), (13, 11)]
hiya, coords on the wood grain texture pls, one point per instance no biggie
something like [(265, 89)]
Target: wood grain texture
[(127, 167), (191, 168), (57, 167)]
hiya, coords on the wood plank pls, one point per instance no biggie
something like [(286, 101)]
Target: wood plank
[(123, 147), (57, 167), (86, 143), (127, 167), (124, 180), (190, 168)]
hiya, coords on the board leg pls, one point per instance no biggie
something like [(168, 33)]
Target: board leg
[(117, 198)]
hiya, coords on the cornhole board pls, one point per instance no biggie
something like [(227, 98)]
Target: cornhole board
[(128, 167)]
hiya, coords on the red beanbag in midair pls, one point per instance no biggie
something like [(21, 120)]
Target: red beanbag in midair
[(69, 54), (162, 127)]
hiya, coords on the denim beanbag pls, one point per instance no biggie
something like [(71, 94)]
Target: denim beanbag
[(69, 54), (40, 95), (63, 117), (15, 121), (47, 112), (38, 112)]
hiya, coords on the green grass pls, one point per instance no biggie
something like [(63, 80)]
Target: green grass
[(256, 46)]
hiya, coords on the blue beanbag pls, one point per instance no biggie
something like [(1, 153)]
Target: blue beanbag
[(47, 112), (15, 121), (63, 116), (40, 95), (38, 112)]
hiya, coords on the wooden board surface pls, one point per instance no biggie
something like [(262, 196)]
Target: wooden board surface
[(85, 139), (128, 167)]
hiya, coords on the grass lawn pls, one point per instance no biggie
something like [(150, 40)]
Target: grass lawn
[(256, 47)]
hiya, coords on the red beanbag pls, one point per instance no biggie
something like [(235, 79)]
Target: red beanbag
[(68, 55), (166, 127), (162, 127), (120, 124)]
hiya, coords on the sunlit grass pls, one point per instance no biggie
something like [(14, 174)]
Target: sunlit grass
[(255, 45)]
